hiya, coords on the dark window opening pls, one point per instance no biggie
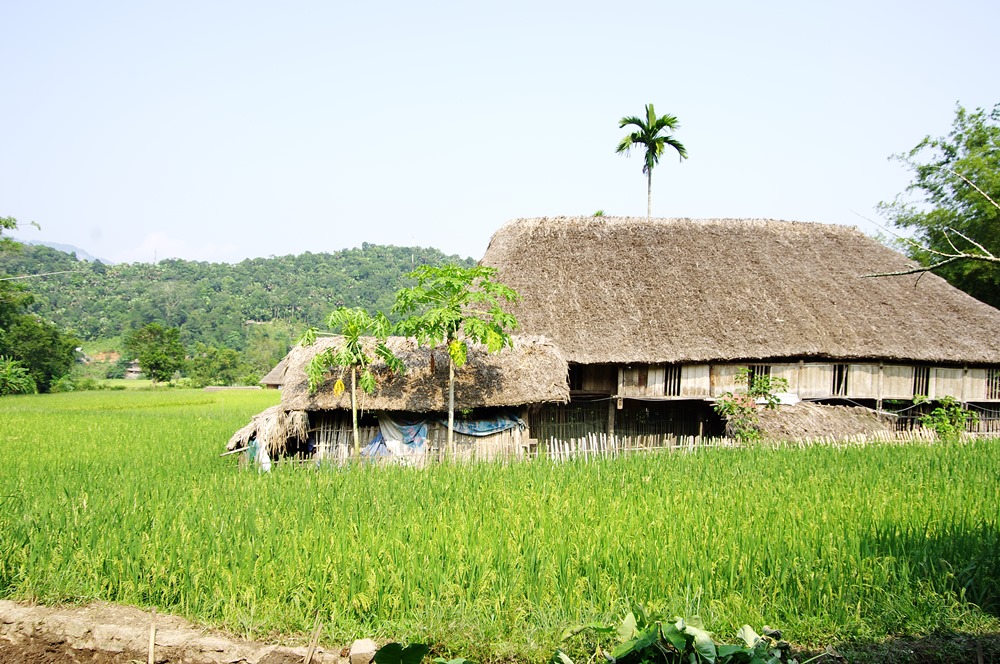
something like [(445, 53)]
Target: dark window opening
[(993, 383), (756, 370), (672, 380), (921, 381), (839, 388)]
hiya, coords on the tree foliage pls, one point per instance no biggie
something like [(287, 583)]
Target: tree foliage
[(47, 353), (950, 205), (210, 365), (217, 304), (352, 356), (652, 134), (452, 305), (158, 350), (15, 378), (38, 346)]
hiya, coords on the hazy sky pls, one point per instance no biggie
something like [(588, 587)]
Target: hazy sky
[(225, 130)]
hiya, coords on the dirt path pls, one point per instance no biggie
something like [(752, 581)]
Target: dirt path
[(102, 633)]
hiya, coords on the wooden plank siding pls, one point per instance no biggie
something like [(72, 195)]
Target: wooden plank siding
[(897, 382), (810, 380), (790, 372), (815, 380), (862, 381), (945, 383), (722, 378), (696, 380), (974, 385)]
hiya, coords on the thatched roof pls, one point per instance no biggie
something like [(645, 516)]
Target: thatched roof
[(809, 421), (272, 428), (276, 376), (534, 371), (622, 290)]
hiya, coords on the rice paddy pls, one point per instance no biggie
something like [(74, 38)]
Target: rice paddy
[(121, 496)]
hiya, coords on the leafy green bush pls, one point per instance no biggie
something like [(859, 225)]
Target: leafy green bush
[(64, 384), (657, 639), (741, 409), (949, 420), (15, 378)]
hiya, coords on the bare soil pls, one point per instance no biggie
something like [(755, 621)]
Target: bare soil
[(102, 633)]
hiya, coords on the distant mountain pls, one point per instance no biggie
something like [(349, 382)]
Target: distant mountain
[(219, 304), (68, 249)]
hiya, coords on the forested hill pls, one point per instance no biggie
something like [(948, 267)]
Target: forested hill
[(213, 303)]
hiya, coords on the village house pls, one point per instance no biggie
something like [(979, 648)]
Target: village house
[(409, 411), (657, 317), (635, 327)]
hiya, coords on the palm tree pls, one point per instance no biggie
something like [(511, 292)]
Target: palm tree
[(654, 134)]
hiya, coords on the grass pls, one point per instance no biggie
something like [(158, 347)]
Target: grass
[(122, 496)]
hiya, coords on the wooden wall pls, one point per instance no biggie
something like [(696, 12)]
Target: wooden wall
[(807, 380)]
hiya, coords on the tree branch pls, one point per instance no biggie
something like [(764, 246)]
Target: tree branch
[(946, 258)]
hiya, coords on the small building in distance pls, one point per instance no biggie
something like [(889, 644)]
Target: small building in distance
[(656, 318), (275, 378), (409, 412)]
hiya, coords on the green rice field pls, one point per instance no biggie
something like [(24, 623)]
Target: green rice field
[(122, 496)]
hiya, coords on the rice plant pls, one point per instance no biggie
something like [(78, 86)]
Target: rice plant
[(123, 497)]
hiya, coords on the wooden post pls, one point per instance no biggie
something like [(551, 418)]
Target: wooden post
[(314, 641), (611, 416), (878, 402), (151, 656)]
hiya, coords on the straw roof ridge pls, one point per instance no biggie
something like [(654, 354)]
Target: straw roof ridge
[(623, 290), (533, 371)]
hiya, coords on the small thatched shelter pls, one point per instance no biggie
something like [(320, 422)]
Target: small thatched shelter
[(271, 429), (488, 386), (671, 309), (275, 378)]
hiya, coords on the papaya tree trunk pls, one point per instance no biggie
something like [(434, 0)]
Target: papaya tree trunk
[(451, 407), (354, 412)]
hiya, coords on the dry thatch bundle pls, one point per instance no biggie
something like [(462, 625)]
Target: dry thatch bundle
[(533, 371), (623, 290), (273, 428), (809, 421)]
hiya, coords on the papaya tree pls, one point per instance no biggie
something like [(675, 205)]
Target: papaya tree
[(451, 306), (351, 356)]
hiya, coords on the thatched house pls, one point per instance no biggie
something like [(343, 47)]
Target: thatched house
[(275, 378), (657, 316), (491, 391)]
